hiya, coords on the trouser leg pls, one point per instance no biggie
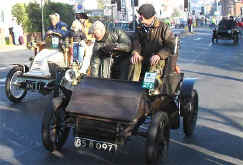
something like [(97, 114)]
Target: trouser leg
[(134, 71), (106, 67), (95, 66)]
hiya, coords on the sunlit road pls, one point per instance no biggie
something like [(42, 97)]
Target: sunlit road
[(218, 138)]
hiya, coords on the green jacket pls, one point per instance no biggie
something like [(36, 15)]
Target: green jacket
[(98, 61), (159, 40)]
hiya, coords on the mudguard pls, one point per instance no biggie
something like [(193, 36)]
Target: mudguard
[(187, 87), (110, 99), (25, 67)]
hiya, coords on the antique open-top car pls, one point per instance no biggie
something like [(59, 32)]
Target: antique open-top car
[(226, 33), (105, 113), (43, 73)]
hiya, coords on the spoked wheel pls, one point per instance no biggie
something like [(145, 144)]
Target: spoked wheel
[(54, 131), (190, 114), (157, 143), (12, 86)]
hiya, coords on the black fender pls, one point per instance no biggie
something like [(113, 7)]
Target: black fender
[(186, 93), (25, 67), (187, 88)]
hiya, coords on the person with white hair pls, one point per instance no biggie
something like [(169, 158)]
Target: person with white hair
[(111, 50), (78, 37), (57, 26)]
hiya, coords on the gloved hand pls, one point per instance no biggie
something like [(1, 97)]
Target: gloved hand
[(106, 51)]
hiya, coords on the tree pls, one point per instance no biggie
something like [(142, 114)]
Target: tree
[(34, 14), (64, 10), (19, 11), (100, 4)]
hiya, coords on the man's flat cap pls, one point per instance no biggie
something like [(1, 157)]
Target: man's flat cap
[(146, 10)]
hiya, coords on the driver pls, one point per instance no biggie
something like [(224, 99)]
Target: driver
[(57, 26), (152, 45), (47, 61)]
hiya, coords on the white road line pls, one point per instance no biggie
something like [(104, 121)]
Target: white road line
[(4, 68), (226, 158), (2, 79), (196, 39)]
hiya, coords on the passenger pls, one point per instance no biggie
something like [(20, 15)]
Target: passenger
[(79, 38), (108, 44), (89, 41), (153, 43), (57, 26)]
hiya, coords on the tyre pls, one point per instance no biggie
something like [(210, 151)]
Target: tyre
[(157, 143), (190, 114), (13, 91), (54, 132)]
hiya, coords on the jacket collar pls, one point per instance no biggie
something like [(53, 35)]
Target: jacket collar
[(155, 24)]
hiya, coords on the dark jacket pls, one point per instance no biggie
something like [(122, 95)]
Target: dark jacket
[(60, 28), (158, 40), (102, 49), (116, 37)]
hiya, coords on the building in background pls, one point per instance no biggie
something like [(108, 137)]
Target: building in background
[(232, 7)]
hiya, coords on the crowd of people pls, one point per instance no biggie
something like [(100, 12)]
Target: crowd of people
[(101, 49)]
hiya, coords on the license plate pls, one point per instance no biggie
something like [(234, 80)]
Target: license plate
[(94, 144), (149, 79)]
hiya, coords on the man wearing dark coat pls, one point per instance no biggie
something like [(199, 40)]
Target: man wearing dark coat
[(153, 44)]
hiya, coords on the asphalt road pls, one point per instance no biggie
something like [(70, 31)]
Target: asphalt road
[(218, 138)]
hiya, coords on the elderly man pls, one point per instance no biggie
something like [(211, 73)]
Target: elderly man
[(109, 45), (153, 43), (57, 26)]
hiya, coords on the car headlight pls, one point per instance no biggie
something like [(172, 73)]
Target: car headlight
[(70, 75), (229, 31)]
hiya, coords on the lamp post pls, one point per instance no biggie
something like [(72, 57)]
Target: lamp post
[(42, 20)]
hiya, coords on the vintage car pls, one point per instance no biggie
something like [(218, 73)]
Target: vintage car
[(43, 73), (104, 113), (226, 33)]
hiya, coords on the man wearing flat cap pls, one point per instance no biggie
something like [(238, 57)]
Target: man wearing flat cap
[(153, 44)]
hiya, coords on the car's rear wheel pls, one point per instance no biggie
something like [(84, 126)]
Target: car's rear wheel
[(54, 131), (190, 114), (13, 89), (157, 143)]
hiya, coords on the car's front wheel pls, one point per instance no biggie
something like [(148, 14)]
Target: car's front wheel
[(157, 143), (54, 131)]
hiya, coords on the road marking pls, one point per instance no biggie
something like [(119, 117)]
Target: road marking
[(2, 79), (205, 151), (4, 68), (196, 39)]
